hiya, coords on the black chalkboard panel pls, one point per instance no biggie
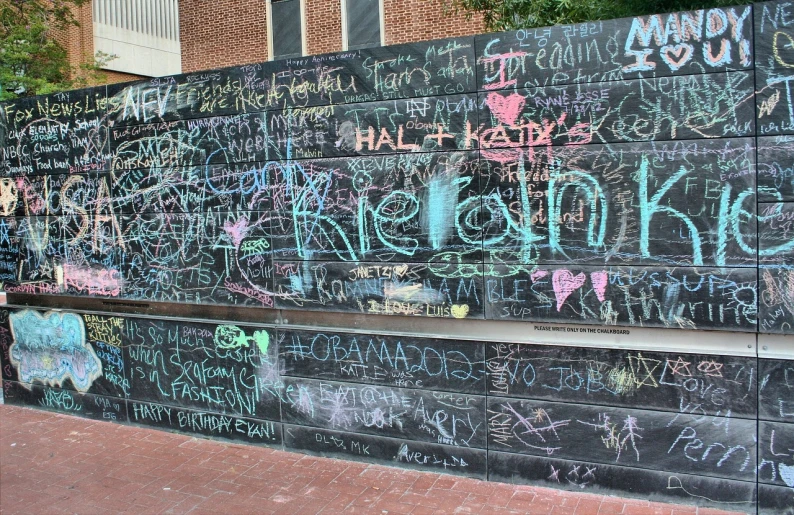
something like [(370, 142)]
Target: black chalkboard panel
[(655, 203), (686, 383), (214, 256), (87, 247), (776, 390), (424, 68), (77, 195), (697, 444), (196, 189), (248, 360), (389, 451), (775, 168), (439, 67), (776, 260), (694, 106), (218, 368), (436, 364), (657, 45), (217, 140), (37, 252), (774, 33), (3, 137), (67, 350), (103, 333), (163, 366), (96, 407), (647, 484), (401, 207), (776, 233), (7, 371), (776, 305), (388, 127), (58, 133), (776, 453), (775, 500), (221, 92), (71, 351), (437, 417), (9, 249), (75, 253), (440, 289), (202, 423), (687, 297)]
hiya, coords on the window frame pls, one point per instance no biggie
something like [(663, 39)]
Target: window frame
[(343, 5), (269, 14)]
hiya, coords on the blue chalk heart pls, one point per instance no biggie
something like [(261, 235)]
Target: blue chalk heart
[(786, 473)]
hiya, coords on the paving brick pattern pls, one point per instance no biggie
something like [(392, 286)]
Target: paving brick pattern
[(52, 463)]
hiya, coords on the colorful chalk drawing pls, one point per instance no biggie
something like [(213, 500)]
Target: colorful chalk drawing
[(566, 283), (572, 148), (786, 474), (232, 337), (52, 348)]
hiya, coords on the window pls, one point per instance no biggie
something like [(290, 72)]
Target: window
[(285, 28), (362, 23)]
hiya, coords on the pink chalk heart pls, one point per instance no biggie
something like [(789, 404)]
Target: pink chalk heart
[(599, 280), (236, 230), (506, 109), (676, 56), (565, 283), (538, 274)]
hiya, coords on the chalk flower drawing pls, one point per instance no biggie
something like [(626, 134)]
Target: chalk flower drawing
[(52, 348)]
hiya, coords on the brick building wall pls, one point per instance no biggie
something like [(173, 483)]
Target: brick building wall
[(420, 20), (219, 33), (78, 41), (111, 77), (323, 26)]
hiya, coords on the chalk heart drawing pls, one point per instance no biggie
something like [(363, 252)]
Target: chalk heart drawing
[(565, 283), (52, 348), (786, 473), (237, 230), (506, 109), (676, 56), (600, 280), (460, 310)]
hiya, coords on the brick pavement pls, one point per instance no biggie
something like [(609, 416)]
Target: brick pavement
[(52, 463)]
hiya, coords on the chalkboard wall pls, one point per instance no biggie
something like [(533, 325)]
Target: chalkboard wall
[(700, 428), (634, 172), (631, 172)]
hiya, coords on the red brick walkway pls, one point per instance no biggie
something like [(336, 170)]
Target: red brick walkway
[(51, 463)]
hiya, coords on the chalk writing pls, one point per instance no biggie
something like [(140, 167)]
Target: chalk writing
[(404, 362)]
